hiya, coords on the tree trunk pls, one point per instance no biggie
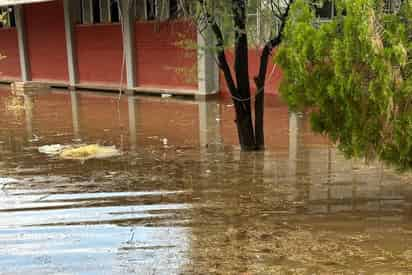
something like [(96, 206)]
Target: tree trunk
[(251, 136), (242, 103)]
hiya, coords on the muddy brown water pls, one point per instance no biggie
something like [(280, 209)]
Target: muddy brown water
[(182, 199)]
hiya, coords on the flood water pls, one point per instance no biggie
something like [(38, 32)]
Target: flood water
[(182, 198)]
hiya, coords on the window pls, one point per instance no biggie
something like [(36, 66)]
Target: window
[(152, 9), (158, 9), (97, 11), (174, 11), (326, 10), (7, 18), (114, 11), (392, 6)]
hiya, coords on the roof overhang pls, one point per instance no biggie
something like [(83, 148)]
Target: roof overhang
[(19, 2)]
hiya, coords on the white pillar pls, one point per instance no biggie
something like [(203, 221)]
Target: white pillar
[(208, 71), (127, 18), (70, 43), (21, 37)]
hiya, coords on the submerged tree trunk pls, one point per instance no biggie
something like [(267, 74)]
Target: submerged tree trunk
[(243, 102)]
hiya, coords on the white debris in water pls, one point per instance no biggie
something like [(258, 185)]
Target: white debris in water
[(54, 149), (4, 181), (80, 152), (165, 141), (166, 95), (86, 152)]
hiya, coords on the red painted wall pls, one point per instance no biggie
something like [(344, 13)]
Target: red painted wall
[(46, 41), (273, 76), (99, 54), (9, 67), (162, 60)]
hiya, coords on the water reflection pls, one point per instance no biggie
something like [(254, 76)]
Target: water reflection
[(133, 109), (194, 204), (28, 111), (74, 100)]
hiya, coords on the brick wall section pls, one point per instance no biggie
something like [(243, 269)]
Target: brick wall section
[(9, 67), (46, 41), (99, 52), (273, 76), (161, 56)]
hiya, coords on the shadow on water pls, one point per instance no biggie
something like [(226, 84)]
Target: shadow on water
[(182, 198)]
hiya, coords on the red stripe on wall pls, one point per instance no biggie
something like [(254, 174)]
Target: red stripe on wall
[(10, 66), (46, 41), (273, 77), (166, 54), (99, 53)]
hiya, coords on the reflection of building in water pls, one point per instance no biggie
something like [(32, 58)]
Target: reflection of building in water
[(28, 111), (74, 98), (209, 123), (327, 182), (133, 127)]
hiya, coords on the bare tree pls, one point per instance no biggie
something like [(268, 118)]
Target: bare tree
[(209, 16)]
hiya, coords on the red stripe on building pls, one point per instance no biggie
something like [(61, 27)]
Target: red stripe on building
[(99, 52), (10, 66), (46, 41), (273, 76), (166, 54)]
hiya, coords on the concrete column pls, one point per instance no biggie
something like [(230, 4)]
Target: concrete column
[(208, 71), (21, 36), (70, 42), (127, 18)]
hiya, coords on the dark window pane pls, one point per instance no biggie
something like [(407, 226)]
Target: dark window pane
[(325, 11), (114, 11), (12, 18), (151, 10), (174, 9), (96, 11)]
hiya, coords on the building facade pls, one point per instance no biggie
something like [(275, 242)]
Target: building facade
[(105, 44)]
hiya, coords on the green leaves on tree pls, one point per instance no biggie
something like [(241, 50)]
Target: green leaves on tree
[(354, 73)]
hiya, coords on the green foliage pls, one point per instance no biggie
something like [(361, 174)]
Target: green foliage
[(355, 75)]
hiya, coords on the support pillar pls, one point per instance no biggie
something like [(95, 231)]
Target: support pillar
[(70, 42), (128, 26), (208, 71), (22, 41)]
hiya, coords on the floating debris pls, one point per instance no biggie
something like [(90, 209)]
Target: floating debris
[(54, 149), (4, 181), (80, 152), (89, 152)]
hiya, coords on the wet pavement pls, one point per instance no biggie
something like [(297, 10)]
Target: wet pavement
[(182, 198)]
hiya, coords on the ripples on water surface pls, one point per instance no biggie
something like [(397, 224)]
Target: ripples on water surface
[(182, 199)]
